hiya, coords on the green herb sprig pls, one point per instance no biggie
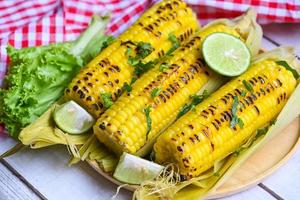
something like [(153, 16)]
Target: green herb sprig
[(107, 100), (148, 119), (196, 99)]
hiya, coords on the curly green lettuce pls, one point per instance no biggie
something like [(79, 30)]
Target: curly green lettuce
[(38, 76)]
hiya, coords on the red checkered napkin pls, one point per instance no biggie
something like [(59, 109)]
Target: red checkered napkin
[(26, 23)]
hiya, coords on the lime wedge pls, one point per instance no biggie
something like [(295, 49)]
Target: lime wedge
[(72, 118), (134, 170), (226, 54)]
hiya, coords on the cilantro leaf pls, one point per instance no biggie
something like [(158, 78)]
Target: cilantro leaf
[(243, 93), (107, 100), (143, 49), (248, 86), (155, 92), (148, 119), (196, 99), (163, 67), (288, 67), (235, 119), (127, 87), (175, 44)]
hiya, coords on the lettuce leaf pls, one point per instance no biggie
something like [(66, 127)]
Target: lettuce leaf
[(38, 76)]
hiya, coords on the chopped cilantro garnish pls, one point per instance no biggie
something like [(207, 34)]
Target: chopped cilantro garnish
[(107, 100), (196, 99), (155, 92), (128, 51), (141, 67), (127, 87), (288, 67), (175, 44), (235, 119), (240, 122), (143, 49), (244, 93), (163, 67), (148, 119), (248, 86)]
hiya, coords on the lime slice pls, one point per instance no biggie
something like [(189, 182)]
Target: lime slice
[(226, 54), (134, 170), (72, 118)]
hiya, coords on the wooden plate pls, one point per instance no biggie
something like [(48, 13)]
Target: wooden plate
[(260, 165)]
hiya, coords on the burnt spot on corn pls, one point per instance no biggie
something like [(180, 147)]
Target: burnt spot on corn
[(102, 126), (81, 94), (215, 125), (117, 68), (85, 78), (182, 133), (90, 84), (173, 139), (95, 106), (238, 92), (179, 148), (256, 109), (279, 82), (185, 160), (192, 139), (75, 88), (89, 74), (85, 89), (191, 126), (261, 79), (212, 146), (106, 74), (67, 90), (89, 98)]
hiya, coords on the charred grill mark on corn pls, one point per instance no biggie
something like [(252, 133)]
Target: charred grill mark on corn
[(108, 72), (272, 85)]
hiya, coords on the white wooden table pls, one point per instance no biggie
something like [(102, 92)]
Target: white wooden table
[(44, 174)]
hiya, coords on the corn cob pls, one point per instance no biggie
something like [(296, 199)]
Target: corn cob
[(125, 126), (108, 72), (197, 140)]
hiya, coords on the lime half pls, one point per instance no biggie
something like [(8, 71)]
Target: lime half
[(72, 118), (226, 54), (134, 170)]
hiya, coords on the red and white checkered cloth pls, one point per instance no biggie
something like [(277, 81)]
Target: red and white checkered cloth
[(40, 22)]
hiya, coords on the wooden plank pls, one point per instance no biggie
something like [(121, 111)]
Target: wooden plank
[(47, 171), (6, 143), (11, 188), (284, 34)]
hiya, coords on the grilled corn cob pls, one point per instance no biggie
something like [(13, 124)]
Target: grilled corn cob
[(139, 116), (108, 72), (200, 138)]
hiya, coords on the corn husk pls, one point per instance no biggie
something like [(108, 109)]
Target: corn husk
[(43, 132), (247, 26), (199, 187)]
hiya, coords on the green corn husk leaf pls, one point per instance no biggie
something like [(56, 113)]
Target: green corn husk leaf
[(199, 187), (247, 26)]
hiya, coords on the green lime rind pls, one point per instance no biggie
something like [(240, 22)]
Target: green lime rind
[(72, 118), (134, 170), (226, 54)]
